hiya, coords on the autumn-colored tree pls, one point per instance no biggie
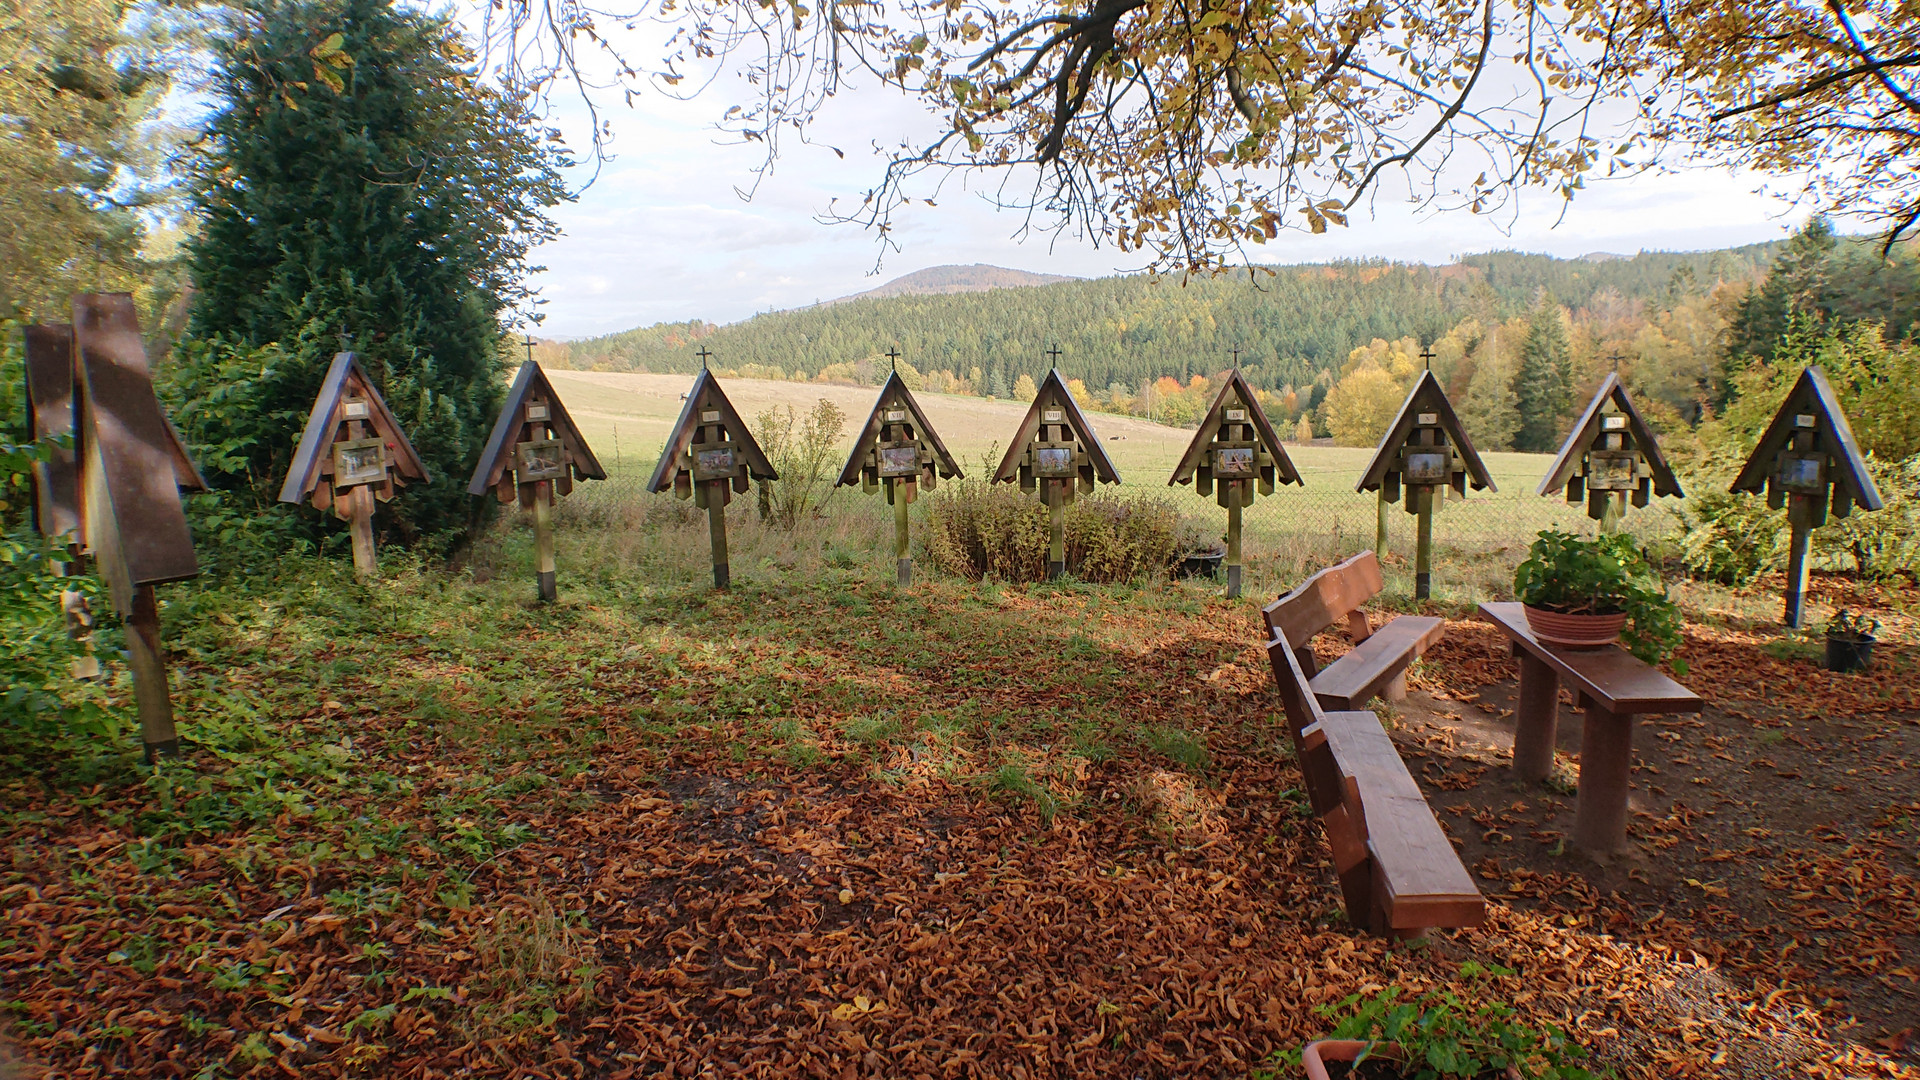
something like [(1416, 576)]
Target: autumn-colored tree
[(1023, 388), (1360, 406)]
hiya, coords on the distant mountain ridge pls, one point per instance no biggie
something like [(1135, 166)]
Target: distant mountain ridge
[(940, 280)]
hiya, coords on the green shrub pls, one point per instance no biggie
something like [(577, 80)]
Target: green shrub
[(1731, 538), (976, 530)]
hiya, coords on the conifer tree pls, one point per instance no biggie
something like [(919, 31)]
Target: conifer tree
[(358, 178), (1543, 389)]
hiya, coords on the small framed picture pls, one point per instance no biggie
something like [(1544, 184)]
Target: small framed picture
[(1612, 471), (899, 460), (1427, 467), (714, 464), (1804, 474), (541, 459), (359, 461), (1054, 461), (1233, 461)]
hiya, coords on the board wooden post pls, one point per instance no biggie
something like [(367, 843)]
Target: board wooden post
[(543, 540), (902, 554), (1057, 534), (149, 667), (366, 565), (717, 532), (1233, 546), (1423, 548), (1234, 455), (1796, 597), (1380, 527)]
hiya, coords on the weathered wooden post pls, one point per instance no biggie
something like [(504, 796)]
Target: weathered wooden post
[(1425, 450), (351, 453), (1234, 454), (1808, 462), (711, 456), (1057, 453), (130, 469), (1611, 456), (56, 513), (897, 448), (535, 455)]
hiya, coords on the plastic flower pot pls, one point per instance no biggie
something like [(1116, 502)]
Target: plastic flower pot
[(1847, 652), (1318, 1055), (1575, 631)]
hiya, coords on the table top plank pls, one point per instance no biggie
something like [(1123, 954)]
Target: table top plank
[(1612, 677)]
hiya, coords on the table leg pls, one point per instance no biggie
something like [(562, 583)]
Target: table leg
[(1606, 761), (1537, 720)]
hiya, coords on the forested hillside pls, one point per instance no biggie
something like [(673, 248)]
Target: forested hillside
[(1290, 324)]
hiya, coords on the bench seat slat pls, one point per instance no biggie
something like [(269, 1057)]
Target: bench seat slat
[(1420, 881), (1368, 667)]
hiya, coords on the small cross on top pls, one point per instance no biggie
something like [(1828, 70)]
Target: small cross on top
[(529, 344), (1054, 353), (1616, 358), (1426, 354), (893, 358), (1236, 356), (703, 354)]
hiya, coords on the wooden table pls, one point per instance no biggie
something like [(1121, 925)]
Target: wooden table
[(1612, 687)]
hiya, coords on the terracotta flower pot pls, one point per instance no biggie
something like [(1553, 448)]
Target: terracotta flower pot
[(1575, 631), (1317, 1054)]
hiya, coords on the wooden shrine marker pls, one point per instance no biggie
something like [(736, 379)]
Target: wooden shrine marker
[(1611, 455), (536, 453), (130, 470), (1808, 462), (1235, 453), (351, 453), (898, 449), (56, 507), (1426, 450), (1056, 452), (710, 457)]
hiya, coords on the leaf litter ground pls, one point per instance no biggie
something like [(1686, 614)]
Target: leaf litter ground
[(830, 829)]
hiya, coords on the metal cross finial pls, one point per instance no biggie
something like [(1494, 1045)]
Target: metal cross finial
[(703, 354), (1055, 354), (346, 340), (1236, 357), (1616, 358), (893, 358), (1426, 353), (529, 345)]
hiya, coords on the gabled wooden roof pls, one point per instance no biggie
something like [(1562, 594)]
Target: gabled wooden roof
[(1812, 393), (345, 374), (1053, 391), (1210, 425), (895, 394), (1588, 429), (129, 460), (528, 383), (706, 394), (1426, 396), (49, 363)]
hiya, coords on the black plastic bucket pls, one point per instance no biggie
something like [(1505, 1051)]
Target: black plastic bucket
[(1204, 564), (1849, 653)]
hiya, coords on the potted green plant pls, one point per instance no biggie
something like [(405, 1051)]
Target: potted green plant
[(1194, 553), (1591, 593), (1850, 641), (1438, 1037)]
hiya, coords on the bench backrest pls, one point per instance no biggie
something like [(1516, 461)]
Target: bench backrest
[(1328, 597), (1296, 695)]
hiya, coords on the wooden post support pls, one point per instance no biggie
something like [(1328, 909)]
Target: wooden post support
[(1606, 765), (543, 539), (1796, 573), (1613, 512), (1423, 551), (1057, 542), (1536, 721), (79, 620), (149, 668), (1233, 542), (1380, 528), (902, 554), (361, 526), (717, 531)]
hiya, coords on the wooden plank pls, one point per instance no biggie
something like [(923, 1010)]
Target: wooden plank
[(1611, 676), (1324, 599), (49, 368), (1419, 880), (1359, 676)]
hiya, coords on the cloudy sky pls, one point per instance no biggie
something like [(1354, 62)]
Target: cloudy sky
[(663, 236)]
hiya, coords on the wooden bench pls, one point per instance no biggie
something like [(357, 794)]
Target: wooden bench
[(1377, 664), (1399, 874)]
